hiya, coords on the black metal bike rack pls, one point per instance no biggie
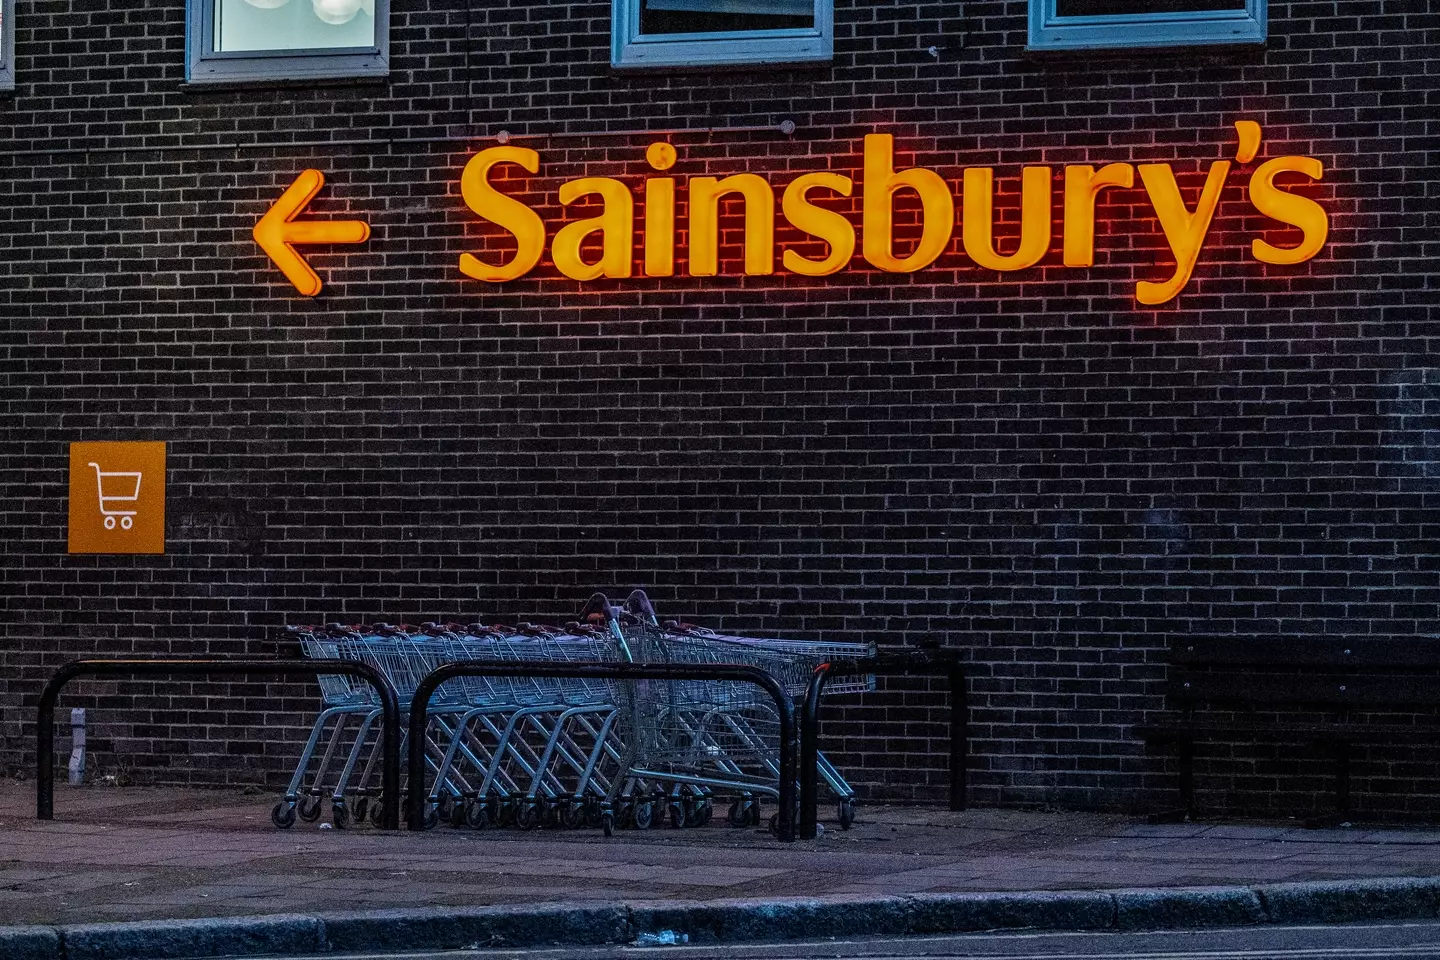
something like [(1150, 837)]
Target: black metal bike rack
[(599, 670), (937, 662), (389, 706)]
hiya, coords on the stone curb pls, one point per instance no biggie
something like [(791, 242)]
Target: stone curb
[(166, 939), (458, 928), (729, 921)]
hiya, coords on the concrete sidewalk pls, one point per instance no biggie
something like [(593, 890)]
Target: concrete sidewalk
[(135, 854)]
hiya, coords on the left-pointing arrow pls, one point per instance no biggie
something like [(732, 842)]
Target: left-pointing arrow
[(278, 232)]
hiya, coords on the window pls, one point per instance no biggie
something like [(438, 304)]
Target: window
[(1119, 24), (248, 40), (7, 44), (686, 33)]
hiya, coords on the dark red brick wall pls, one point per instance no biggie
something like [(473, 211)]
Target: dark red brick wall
[(1031, 467)]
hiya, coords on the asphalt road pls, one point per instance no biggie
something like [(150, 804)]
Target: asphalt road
[(1350, 942)]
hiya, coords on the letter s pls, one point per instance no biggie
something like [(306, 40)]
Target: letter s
[(827, 225), (520, 220), (1288, 208)]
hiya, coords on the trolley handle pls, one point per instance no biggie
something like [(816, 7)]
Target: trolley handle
[(638, 604), (597, 610)]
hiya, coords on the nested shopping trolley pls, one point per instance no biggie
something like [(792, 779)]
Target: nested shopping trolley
[(340, 759), (563, 752), (531, 751), (691, 739)]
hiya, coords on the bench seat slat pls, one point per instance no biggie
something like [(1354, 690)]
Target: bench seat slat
[(1331, 652), (1170, 730), (1344, 689)]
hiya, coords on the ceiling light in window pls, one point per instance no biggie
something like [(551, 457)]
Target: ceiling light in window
[(337, 12)]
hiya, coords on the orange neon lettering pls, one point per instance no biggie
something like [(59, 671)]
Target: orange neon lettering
[(978, 214), (1248, 136), (1082, 186), (1184, 231), (828, 225), (514, 216), (1288, 208), (660, 213), (615, 226), (881, 181), (705, 194), (660, 227)]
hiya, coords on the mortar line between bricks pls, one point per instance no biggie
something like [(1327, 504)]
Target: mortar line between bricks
[(386, 142)]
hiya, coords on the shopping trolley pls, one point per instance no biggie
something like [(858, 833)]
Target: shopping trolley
[(343, 700), (353, 783)]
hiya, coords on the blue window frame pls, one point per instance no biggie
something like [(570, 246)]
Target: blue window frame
[(674, 34), (240, 41), (7, 44), (1052, 28)]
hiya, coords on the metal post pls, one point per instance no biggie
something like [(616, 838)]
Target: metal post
[(599, 670), (884, 664), (959, 737), (77, 746), (810, 750), (389, 707)]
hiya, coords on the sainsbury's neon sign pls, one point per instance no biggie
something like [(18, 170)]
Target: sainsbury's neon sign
[(1185, 228)]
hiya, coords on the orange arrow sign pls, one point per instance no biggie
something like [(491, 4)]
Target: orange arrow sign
[(278, 232)]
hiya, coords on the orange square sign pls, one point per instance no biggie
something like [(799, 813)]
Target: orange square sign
[(117, 497)]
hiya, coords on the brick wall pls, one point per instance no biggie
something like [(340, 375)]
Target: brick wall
[(1031, 467)]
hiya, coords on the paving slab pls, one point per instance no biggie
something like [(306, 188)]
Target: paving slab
[(108, 855)]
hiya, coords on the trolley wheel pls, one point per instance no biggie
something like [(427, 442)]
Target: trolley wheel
[(339, 815), (574, 816), (846, 812), (458, 815), (126, 523), (739, 813), (377, 811), (283, 815), (700, 812), (309, 809), (607, 824), (109, 523), (775, 822), (755, 814), (625, 815), (678, 814), (477, 814), (362, 809), (549, 813), (527, 815), (431, 818), (644, 814), (445, 806)]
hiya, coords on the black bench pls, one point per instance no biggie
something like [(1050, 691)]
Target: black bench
[(1303, 689)]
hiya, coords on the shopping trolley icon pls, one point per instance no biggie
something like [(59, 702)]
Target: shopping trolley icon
[(109, 484)]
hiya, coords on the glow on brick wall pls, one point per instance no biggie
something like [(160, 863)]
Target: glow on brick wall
[(687, 217)]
